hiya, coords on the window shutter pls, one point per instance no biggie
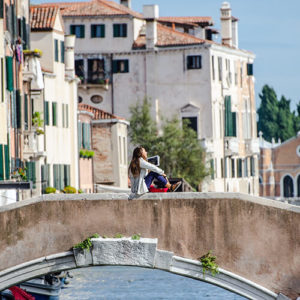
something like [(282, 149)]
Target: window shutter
[(1, 163), (54, 114), (82, 31), (88, 131), (72, 29), (93, 31), (115, 66), (61, 177), (2, 80), (212, 169), (67, 115), (79, 129), (18, 108), (116, 30), (63, 115), (56, 50), (233, 118), (9, 73), (46, 112), (84, 141), (7, 161), (26, 111), (124, 30), (228, 119), (1, 9), (62, 51), (55, 176), (126, 66), (102, 30)]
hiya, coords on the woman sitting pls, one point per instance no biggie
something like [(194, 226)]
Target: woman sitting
[(140, 180)]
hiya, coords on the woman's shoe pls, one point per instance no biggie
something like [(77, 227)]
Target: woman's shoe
[(174, 187)]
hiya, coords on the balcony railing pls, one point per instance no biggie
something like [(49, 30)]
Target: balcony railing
[(231, 146), (252, 146), (92, 81), (33, 144)]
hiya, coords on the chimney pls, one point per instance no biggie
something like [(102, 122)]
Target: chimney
[(226, 24), (235, 38), (151, 14), (69, 55), (126, 3)]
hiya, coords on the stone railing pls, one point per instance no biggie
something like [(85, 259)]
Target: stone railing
[(33, 144)]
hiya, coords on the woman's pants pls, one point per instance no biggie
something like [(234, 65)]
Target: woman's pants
[(152, 175)]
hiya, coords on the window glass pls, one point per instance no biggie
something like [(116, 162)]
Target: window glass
[(194, 62)]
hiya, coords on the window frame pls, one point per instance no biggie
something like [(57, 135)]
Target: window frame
[(93, 29), (120, 30), (194, 62)]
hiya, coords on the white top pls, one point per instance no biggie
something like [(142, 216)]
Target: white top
[(138, 185)]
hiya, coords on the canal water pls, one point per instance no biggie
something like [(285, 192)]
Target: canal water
[(133, 283)]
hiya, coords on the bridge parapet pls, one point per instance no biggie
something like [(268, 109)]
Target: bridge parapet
[(252, 237)]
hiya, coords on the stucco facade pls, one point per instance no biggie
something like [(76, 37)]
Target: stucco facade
[(181, 70), (279, 168)]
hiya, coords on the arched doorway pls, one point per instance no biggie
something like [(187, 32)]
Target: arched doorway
[(298, 186), (288, 187)]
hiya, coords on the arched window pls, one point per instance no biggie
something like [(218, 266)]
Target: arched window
[(288, 187), (298, 186)]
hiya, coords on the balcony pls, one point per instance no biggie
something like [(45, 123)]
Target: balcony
[(252, 146), (231, 146), (94, 82), (33, 144)]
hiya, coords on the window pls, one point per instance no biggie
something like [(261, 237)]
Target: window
[(45, 172), (61, 176), (96, 99), (95, 70), (97, 31), (192, 122), (252, 166), (232, 168), (220, 68), (62, 51), (213, 67), (77, 30), (194, 62), (26, 112), (246, 167), (4, 162), (298, 186), (120, 30), (18, 108), (212, 169), (79, 69), (230, 118), (86, 136), (31, 172), (288, 187), (249, 69), (54, 113), (120, 66), (9, 73), (56, 50), (46, 112), (239, 167)]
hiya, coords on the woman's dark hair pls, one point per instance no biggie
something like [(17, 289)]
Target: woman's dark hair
[(134, 166)]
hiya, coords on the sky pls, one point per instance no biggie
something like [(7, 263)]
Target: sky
[(268, 28)]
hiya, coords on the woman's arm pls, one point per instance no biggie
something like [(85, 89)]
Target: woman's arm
[(146, 165)]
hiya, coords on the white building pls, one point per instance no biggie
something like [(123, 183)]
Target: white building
[(121, 56), (57, 159)]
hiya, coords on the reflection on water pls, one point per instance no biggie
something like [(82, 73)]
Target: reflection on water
[(134, 283)]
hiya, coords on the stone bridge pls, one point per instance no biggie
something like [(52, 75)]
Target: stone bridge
[(256, 241)]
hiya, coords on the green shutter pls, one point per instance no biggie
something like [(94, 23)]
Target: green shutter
[(62, 51), (212, 169), (66, 175), (7, 161), (46, 112), (93, 31), (228, 123), (26, 111), (82, 31), (225, 167), (1, 8), (233, 120), (54, 114), (79, 130), (84, 136), (89, 135), (72, 29), (102, 30), (250, 69), (115, 66), (2, 80), (67, 115), (14, 110), (56, 176), (56, 50), (19, 108), (9, 73), (1, 163), (116, 30), (126, 66)]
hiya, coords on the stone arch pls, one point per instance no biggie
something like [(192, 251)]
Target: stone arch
[(141, 253), (287, 186)]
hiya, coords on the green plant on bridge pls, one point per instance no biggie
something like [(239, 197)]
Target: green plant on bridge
[(118, 236), (87, 243), (136, 237), (208, 262)]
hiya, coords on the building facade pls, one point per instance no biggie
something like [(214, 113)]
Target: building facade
[(279, 169), (122, 56)]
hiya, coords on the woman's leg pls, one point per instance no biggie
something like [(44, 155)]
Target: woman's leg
[(152, 175)]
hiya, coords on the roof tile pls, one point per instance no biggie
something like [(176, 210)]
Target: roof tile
[(187, 20), (42, 18)]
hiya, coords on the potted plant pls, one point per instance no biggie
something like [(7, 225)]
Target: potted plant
[(37, 122)]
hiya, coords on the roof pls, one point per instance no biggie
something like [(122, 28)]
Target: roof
[(168, 37), (204, 21), (94, 8), (99, 114), (43, 18)]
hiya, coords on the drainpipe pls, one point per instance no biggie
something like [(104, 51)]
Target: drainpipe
[(112, 84)]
